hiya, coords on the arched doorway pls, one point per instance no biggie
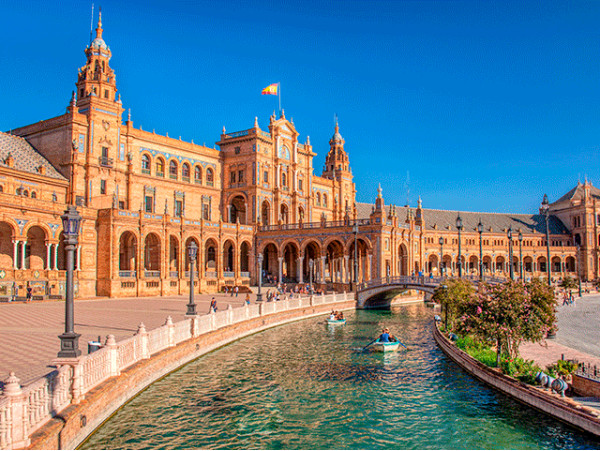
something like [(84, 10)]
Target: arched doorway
[(556, 265), (173, 256), (433, 264), (270, 262), (289, 268), (334, 262), (127, 252), (228, 258), (541, 264), (237, 210), (473, 265), (35, 252), (265, 215), (210, 258), (403, 260), (500, 262), (245, 259), (312, 252), (152, 254), (284, 214), (528, 265), (361, 262), (6, 246)]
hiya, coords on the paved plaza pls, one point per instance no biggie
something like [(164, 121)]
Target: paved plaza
[(29, 332)]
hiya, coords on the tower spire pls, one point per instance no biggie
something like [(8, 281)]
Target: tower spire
[(99, 27)]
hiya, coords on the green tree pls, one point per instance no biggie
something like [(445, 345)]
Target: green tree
[(452, 296), (569, 283), (508, 314)]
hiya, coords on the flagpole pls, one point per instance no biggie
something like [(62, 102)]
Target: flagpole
[(279, 95)]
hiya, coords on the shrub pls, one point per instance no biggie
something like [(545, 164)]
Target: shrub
[(562, 368)]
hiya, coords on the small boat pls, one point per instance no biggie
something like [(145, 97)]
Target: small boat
[(336, 321), (385, 346)]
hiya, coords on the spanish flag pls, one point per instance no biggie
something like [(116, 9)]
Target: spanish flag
[(271, 90)]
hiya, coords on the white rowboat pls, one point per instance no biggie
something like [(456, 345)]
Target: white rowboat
[(385, 347)]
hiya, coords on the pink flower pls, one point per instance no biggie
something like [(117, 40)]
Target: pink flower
[(479, 311)]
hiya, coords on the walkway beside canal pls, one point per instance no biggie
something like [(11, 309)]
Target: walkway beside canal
[(29, 332), (578, 335)]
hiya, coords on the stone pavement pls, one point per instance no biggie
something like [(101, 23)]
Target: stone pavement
[(578, 335), (29, 332)]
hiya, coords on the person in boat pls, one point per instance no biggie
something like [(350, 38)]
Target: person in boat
[(332, 315), (385, 336), (339, 315)]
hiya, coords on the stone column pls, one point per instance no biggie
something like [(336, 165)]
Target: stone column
[(346, 269), (323, 269), (300, 270), (48, 261), (55, 256), (23, 249), (280, 260), (15, 254), (369, 265)]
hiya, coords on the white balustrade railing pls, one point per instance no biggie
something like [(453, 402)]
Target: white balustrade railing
[(23, 410)]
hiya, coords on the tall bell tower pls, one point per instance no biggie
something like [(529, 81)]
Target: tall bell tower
[(337, 168), (96, 79)]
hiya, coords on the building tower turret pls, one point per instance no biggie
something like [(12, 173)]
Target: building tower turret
[(96, 78), (337, 168)]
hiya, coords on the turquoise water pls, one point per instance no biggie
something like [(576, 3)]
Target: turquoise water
[(307, 385)]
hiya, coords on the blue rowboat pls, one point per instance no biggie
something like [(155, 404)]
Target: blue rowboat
[(385, 347), (336, 321)]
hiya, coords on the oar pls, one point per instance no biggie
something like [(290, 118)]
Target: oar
[(370, 343), (401, 343)]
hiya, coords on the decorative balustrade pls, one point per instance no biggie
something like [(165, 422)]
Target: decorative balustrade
[(316, 225), (45, 397), (229, 274), (245, 274), (174, 274), (187, 274), (211, 274), (127, 274), (152, 274)]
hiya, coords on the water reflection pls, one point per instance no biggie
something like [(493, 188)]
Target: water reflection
[(309, 386)]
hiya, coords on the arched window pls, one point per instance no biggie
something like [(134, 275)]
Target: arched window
[(319, 199), (173, 169), (1, 189), (283, 179), (185, 172), (145, 164), (198, 175), (209, 177), (160, 167), (26, 193), (33, 195), (324, 200)]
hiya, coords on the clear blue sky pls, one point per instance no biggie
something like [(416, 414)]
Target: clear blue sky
[(484, 105)]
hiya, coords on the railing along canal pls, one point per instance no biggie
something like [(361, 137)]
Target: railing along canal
[(25, 409)]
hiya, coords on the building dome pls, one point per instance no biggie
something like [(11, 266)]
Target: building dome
[(99, 43)]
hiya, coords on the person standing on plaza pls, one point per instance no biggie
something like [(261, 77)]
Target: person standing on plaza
[(232, 290), (29, 293), (213, 306), (236, 289), (248, 298)]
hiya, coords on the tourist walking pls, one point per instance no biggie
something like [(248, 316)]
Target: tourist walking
[(213, 306), (236, 289), (29, 293)]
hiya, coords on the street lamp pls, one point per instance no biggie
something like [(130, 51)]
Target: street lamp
[(510, 252), (355, 254), (480, 230), (69, 341), (521, 255), (260, 262), (441, 241), (459, 226), (578, 272), (445, 288), (192, 253), (545, 209)]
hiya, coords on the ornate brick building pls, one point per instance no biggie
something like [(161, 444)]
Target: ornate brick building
[(145, 197)]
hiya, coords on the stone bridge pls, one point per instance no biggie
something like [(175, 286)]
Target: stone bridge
[(378, 293)]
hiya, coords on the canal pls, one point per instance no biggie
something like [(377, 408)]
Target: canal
[(307, 385)]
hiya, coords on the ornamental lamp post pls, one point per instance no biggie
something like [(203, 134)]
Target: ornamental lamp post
[(578, 272), (480, 230), (355, 254), (510, 252), (459, 226), (545, 210), (69, 340), (441, 241), (445, 288), (260, 264), (192, 253), (521, 255)]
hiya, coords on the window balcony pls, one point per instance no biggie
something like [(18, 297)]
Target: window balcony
[(152, 274), (185, 179), (160, 174), (127, 274), (173, 176), (146, 171), (106, 162)]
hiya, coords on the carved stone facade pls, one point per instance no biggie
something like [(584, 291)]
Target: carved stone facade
[(145, 197)]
